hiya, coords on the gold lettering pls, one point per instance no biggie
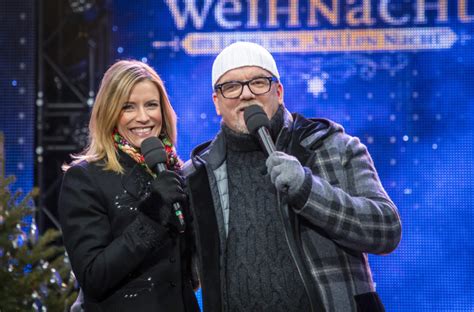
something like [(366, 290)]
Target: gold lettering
[(421, 7), (190, 10), (274, 10), (272, 14), (253, 14), (464, 17), (332, 15), (294, 18), (234, 7), (360, 15), (389, 19)]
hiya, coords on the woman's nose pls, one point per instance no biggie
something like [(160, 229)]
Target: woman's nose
[(142, 115)]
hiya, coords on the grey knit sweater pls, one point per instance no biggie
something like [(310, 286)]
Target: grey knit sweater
[(260, 274)]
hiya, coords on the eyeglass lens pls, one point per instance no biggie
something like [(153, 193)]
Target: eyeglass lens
[(257, 86)]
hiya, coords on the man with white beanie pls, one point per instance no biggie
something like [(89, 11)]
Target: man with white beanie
[(289, 231)]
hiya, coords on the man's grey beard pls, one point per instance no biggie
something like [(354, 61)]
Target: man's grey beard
[(241, 128)]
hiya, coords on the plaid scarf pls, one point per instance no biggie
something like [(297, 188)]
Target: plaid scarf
[(173, 161)]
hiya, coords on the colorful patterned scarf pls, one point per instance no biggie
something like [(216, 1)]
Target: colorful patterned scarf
[(173, 162)]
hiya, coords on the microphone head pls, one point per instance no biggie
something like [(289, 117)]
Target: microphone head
[(255, 118), (153, 151)]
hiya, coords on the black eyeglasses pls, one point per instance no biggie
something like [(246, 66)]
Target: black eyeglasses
[(233, 89)]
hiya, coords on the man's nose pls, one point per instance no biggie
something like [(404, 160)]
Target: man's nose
[(246, 93)]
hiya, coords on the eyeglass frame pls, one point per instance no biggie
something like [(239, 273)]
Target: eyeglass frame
[(243, 84)]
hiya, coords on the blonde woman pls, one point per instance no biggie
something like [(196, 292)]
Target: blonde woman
[(118, 225)]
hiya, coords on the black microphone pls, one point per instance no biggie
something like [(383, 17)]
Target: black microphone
[(258, 124), (155, 157)]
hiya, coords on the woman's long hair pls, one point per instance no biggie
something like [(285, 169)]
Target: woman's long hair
[(114, 91)]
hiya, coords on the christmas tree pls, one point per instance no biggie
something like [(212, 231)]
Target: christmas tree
[(35, 274)]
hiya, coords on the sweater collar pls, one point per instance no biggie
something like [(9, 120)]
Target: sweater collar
[(239, 142), (216, 151)]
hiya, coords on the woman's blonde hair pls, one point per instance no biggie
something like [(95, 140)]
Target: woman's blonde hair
[(114, 91)]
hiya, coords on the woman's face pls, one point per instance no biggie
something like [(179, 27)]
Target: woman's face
[(141, 114)]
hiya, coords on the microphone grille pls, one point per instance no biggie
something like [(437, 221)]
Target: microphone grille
[(255, 118), (153, 151)]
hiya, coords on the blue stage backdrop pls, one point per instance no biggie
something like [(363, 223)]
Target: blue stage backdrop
[(17, 89), (397, 74)]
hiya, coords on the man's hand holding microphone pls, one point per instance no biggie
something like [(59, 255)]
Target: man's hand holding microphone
[(286, 172)]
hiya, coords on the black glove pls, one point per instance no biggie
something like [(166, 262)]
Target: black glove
[(168, 186), (166, 189)]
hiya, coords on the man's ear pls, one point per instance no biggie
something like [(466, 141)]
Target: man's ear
[(280, 93), (215, 99)]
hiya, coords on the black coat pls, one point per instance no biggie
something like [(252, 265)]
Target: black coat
[(123, 260)]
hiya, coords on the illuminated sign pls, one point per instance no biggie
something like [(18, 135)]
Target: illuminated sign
[(315, 26)]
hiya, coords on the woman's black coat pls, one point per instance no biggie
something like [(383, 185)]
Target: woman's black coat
[(123, 260)]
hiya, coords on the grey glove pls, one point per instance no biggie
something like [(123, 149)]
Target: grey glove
[(285, 172), (289, 176)]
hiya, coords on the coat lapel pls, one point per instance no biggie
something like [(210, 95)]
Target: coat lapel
[(135, 179), (207, 228)]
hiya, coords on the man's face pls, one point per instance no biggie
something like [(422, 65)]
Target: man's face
[(232, 110)]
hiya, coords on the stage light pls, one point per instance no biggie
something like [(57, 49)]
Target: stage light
[(80, 6)]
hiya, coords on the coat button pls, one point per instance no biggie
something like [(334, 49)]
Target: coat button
[(172, 260), (172, 284)]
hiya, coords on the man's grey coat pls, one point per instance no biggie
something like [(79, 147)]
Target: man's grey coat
[(347, 215)]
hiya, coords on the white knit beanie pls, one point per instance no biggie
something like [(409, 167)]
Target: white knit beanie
[(240, 54)]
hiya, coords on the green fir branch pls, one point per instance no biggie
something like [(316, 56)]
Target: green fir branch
[(37, 272)]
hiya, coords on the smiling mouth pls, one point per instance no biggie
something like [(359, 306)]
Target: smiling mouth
[(141, 131)]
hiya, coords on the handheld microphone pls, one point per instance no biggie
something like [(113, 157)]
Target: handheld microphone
[(258, 123), (155, 157)]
